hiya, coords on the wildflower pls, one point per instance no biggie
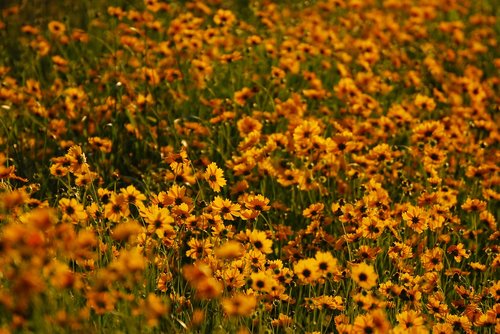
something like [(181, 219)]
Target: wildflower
[(262, 282), (177, 161), (255, 258), (314, 210), (200, 277), (103, 144), (163, 281), (154, 309), (224, 18), (425, 102), (260, 242), (117, 208), (242, 96), (176, 195), (132, 195), (72, 210), (239, 305), (101, 302), (371, 227), (306, 131), (432, 259), (458, 252), (363, 324), (410, 320), (282, 321), (233, 279), (257, 202), (57, 28), (473, 205), (76, 158), (436, 305), (368, 253), (230, 250), (459, 323), (415, 218), (442, 328), (327, 265), (379, 320), (159, 221), (198, 248), (215, 177), (226, 208), (126, 230), (247, 125), (364, 275), (306, 270)]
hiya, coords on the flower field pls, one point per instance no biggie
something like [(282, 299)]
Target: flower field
[(218, 166)]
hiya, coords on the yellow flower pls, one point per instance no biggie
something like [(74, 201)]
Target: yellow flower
[(56, 28), (307, 270), (239, 305), (261, 281), (72, 210), (364, 275), (225, 208), (416, 219), (215, 177), (259, 241), (117, 208)]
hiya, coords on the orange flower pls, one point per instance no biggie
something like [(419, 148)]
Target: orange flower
[(260, 242), (224, 18), (307, 270), (239, 305), (364, 275), (72, 210), (117, 208), (327, 264), (416, 219), (432, 259), (199, 248), (215, 177), (56, 28), (101, 302), (225, 208)]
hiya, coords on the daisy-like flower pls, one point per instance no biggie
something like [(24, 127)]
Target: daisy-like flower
[(307, 270), (199, 248), (432, 259), (364, 324), (261, 281), (239, 305), (230, 250), (159, 220), (101, 302), (227, 209), (416, 219), (72, 210), (327, 264), (371, 227), (224, 18), (364, 275), (56, 28), (473, 205), (458, 252), (260, 242), (257, 202), (442, 328), (215, 177), (233, 279), (116, 208), (410, 320), (132, 195)]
